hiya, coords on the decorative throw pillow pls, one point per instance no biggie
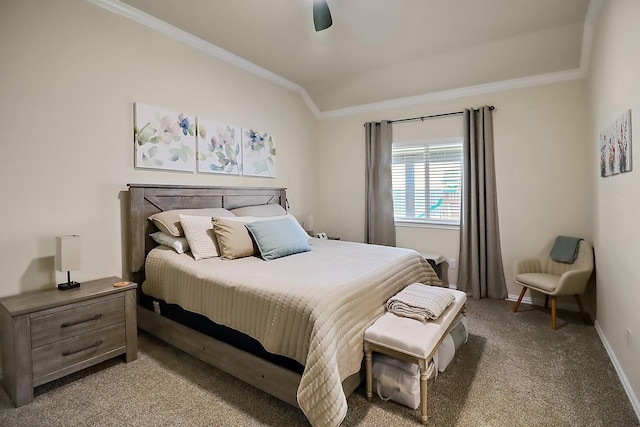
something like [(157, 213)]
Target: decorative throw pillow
[(169, 221), (179, 244), (233, 238), (199, 233), (278, 238)]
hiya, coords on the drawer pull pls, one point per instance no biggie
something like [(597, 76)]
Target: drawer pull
[(95, 344), (67, 324)]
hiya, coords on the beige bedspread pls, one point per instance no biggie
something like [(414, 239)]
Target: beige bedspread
[(312, 307)]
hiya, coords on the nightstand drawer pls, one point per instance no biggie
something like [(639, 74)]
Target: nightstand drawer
[(75, 319), (53, 357)]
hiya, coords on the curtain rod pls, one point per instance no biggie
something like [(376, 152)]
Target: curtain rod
[(434, 116)]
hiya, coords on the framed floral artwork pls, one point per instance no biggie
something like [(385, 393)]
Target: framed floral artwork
[(219, 147), (258, 154), (164, 139), (615, 146)]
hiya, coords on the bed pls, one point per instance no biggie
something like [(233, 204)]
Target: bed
[(307, 310)]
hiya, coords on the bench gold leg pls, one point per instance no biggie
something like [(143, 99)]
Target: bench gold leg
[(368, 371), (423, 391)]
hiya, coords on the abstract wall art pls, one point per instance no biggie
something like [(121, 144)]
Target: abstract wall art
[(615, 146), (164, 139), (258, 154), (219, 148)]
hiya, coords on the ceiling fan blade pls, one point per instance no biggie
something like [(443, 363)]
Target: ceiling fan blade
[(321, 15)]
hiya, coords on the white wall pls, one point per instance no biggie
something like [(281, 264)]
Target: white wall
[(70, 72), (543, 167), (613, 88)]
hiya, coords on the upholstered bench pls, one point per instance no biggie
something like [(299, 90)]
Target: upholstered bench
[(411, 340)]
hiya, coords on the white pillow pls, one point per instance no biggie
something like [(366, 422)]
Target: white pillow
[(169, 221), (179, 244), (199, 233)]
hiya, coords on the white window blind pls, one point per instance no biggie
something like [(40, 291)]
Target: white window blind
[(426, 181)]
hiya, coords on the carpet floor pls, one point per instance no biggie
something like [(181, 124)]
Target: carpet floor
[(513, 371)]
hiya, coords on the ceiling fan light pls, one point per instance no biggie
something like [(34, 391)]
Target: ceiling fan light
[(321, 15)]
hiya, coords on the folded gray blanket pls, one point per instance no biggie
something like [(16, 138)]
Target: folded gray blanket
[(421, 302), (565, 249)]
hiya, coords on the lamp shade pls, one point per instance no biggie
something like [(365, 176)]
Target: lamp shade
[(68, 253)]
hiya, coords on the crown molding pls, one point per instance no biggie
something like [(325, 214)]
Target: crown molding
[(123, 9), (542, 79), (120, 8), (587, 34), (520, 83)]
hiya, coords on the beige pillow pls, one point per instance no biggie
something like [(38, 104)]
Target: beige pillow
[(233, 238), (169, 221), (199, 233), (271, 209), (248, 219)]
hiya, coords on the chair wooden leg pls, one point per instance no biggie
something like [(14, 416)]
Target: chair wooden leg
[(585, 315), (546, 301), (515, 307), (553, 312)]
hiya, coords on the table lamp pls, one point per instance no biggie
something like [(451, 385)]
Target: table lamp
[(68, 258)]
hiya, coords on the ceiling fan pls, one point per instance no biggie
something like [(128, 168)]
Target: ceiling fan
[(321, 15)]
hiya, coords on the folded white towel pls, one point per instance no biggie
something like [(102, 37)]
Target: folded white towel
[(421, 302)]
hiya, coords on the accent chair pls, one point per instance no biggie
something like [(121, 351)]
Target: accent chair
[(552, 278)]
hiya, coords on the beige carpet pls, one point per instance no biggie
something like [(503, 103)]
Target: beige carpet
[(514, 371)]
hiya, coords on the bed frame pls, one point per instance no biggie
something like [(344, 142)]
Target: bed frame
[(147, 199)]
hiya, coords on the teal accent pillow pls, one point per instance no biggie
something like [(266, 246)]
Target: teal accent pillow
[(278, 238)]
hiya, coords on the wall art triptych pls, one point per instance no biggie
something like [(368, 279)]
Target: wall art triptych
[(170, 140)]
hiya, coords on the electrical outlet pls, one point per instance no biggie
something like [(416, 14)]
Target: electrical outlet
[(453, 263), (629, 339), (156, 307)]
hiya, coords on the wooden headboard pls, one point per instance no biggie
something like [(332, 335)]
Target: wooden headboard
[(147, 199)]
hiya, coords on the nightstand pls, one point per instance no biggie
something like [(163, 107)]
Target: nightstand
[(49, 334), (435, 260)]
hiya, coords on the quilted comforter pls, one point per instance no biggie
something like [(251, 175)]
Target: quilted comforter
[(312, 307)]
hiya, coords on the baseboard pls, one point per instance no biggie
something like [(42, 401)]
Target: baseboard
[(560, 304), (614, 360), (623, 378)]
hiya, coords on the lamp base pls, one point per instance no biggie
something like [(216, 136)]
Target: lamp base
[(68, 285)]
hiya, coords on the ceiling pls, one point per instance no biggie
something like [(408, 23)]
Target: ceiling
[(381, 50)]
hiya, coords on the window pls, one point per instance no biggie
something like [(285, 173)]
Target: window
[(426, 181)]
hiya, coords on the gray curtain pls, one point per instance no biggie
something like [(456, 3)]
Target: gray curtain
[(480, 273), (379, 224)]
